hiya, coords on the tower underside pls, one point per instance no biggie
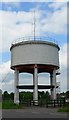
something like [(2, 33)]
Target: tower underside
[(35, 70), (29, 68)]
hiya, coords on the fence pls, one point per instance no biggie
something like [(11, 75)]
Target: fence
[(44, 103)]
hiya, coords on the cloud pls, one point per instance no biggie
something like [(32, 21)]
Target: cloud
[(63, 56), (4, 70), (59, 1), (11, 1), (56, 21), (17, 25), (57, 5), (14, 25), (63, 67), (33, 1), (8, 86)]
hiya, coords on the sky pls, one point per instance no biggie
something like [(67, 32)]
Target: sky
[(16, 21)]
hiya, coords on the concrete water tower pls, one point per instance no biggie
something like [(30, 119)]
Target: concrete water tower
[(35, 57)]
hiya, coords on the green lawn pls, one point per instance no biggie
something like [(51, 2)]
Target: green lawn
[(10, 105), (0, 105), (63, 109)]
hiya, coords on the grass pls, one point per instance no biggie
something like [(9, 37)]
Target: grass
[(0, 105), (63, 109), (10, 105)]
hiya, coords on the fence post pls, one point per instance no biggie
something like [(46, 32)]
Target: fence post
[(60, 103), (47, 104), (30, 102), (64, 102), (51, 103), (54, 103), (41, 103)]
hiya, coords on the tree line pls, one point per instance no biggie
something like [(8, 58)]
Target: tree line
[(29, 95)]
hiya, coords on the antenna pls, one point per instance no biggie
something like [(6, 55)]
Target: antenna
[(34, 24)]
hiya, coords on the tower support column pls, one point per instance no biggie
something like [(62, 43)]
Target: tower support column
[(51, 83), (54, 83), (35, 83), (16, 90)]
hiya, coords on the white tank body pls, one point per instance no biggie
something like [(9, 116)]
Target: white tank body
[(34, 52)]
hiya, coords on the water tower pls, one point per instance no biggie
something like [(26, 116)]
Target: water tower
[(35, 57)]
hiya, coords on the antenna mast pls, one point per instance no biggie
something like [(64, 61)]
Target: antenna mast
[(34, 24)]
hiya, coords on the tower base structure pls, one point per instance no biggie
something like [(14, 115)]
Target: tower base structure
[(35, 85), (35, 57)]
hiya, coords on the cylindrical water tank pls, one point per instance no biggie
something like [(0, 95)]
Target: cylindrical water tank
[(42, 53)]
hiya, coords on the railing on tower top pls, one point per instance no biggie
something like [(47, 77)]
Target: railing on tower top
[(37, 38)]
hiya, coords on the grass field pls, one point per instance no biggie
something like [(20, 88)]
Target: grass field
[(10, 105), (0, 105), (63, 109)]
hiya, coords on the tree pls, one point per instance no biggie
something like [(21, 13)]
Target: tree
[(67, 94), (26, 96), (5, 96), (11, 96)]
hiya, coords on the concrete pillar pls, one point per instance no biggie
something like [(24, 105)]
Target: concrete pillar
[(16, 90), (51, 83), (54, 83), (35, 83)]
